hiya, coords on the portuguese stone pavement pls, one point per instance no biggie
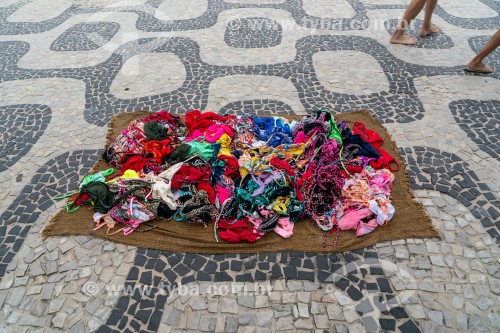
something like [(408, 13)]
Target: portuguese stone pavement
[(66, 66)]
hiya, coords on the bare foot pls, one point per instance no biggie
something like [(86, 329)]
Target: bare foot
[(403, 39), (428, 31)]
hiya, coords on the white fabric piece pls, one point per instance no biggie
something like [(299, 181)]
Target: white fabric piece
[(162, 187), (382, 218)]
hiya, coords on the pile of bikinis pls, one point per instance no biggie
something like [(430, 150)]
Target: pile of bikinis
[(246, 176)]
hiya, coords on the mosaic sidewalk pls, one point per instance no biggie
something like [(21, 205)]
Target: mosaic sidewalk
[(67, 66)]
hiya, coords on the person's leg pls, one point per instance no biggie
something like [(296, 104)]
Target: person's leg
[(411, 12), (476, 64), (427, 27)]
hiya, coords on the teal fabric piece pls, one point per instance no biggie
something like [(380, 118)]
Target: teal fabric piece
[(205, 150)]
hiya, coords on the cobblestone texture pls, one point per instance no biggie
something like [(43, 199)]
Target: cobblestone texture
[(67, 66)]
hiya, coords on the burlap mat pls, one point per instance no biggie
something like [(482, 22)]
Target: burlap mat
[(410, 220)]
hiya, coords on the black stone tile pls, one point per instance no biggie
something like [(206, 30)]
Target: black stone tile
[(222, 276), (252, 263), (140, 260), (376, 270), (290, 272), (170, 275), (260, 276), (122, 303), (135, 325), (246, 277), (160, 265), (188, 279), (308, 263), (104, 329), (224, 266), (304, 275), (146, 303), (173, 260), (342, 283), (388, 324), (202, 276), (143, 315), (181, 269), (276, 271), (322, 262), (236, 265), (354, 293), (324, 276), (399, 312), (409, 327), (154, 322), (115, 316), (210, 267), (146, 278)]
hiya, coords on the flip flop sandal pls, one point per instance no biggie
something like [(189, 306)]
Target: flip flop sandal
[(484, 70)]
